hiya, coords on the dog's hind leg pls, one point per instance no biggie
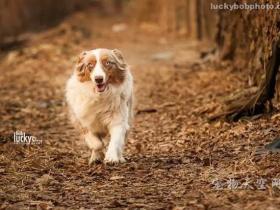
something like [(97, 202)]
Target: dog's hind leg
[(96, 146)]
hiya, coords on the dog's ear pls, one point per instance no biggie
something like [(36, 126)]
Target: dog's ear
[(80, 68), (121, 64)]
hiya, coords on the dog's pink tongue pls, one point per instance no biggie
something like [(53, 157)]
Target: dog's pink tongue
[(100, 88)]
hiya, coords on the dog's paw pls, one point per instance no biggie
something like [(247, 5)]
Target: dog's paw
[(96, 161), (95, 158), (114, 161), (122, 160), (113, 158)]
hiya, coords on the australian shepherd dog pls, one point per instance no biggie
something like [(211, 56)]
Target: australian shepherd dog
[(99, 94)]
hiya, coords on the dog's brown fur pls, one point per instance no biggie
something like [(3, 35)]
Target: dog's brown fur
[(115, 75), (84, 66), (114, 70)]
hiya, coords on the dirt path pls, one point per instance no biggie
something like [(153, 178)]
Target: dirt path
[(173, 153)]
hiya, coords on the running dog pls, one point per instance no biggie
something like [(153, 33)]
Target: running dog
[(99, 94)]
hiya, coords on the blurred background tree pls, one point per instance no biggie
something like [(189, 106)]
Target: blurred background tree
[(243, 37)]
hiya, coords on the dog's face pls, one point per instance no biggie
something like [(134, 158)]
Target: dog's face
[(103, 67)]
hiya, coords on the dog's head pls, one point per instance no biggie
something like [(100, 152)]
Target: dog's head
[(103, 67)]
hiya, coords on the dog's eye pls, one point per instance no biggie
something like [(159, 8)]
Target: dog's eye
[(90, 66), (108, 63)]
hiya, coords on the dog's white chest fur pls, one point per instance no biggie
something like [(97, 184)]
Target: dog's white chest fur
[(106, 113), (97, 110)]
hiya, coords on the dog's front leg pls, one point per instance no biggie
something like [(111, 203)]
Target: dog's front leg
[(96, 146), (116, 145)]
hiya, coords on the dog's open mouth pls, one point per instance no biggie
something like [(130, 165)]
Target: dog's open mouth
[(101, 87)]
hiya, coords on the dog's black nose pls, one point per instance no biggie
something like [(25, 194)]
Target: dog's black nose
[(98, 79)]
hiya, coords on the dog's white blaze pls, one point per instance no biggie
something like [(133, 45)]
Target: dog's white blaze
[(98, 70)]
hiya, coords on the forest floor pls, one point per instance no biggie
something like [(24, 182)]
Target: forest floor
[(176, 159)]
